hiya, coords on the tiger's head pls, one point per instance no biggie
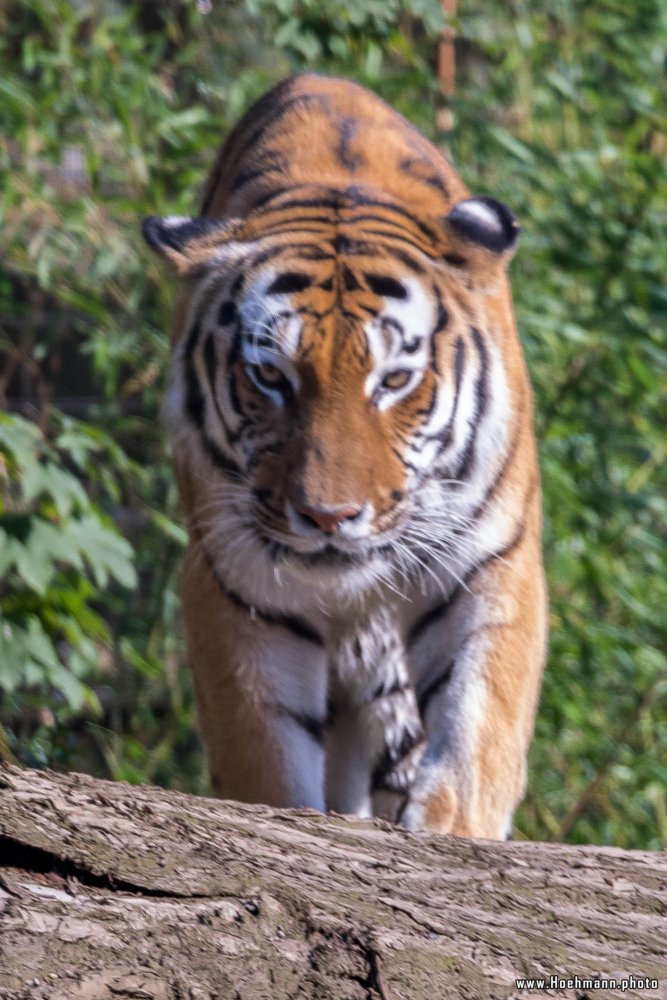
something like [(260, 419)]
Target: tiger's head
[(324, 374)]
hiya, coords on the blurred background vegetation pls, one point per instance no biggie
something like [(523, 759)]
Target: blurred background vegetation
[(111, 111)]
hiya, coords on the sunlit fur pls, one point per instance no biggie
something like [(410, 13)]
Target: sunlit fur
[(345, 339)]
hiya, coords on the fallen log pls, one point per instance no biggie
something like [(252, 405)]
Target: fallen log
[(109, 891)]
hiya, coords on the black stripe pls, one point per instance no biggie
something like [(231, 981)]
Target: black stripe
[(384, 285), (309, 251), (194, 398), (502, 471), (221, 461), (442, 679), (407, 166), (405, 463), (312, 725), (434, 614), (442, 319), (481, 402), (227, 313), (359, 197), (297, 626), (211, 362), (289, 281), (262, 493), (297, 223), (333, 710), (253, 117), (354, 196), (381, 692), (482, 388), (389, 323), (436, 685), (458, 367), (454, 260), (269, 253), (231, 437), (408, 260), (398, 819), (498, 478), (324, 313), (268, 197), (379, 218), (445, 434), (346, 156), (232, 357), (350, 280), (326, 201), (391, 757), (352, 247), (425, 411), (195, 403), (246, 177), (268, 111), (225, 463), (388, 234), (268, 163), (369, 250), (439, 611)]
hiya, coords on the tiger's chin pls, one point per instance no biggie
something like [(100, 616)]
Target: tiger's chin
[(341, 563)]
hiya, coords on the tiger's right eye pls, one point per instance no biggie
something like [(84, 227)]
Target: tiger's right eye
[(270, 379), (268, 374)]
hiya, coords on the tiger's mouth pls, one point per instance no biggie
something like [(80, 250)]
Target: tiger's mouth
[(328, 554), (337, 550)]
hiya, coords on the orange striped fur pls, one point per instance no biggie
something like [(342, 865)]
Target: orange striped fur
[(351, 421)]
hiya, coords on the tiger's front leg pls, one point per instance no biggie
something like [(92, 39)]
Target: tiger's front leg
[(477, 689), (260, 687), (375, 737)]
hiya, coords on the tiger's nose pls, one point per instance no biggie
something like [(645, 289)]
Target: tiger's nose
[(329, 519)]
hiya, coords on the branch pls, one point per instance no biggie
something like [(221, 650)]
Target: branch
[(109, 891)]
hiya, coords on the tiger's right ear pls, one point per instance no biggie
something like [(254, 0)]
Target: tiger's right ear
[(189, 244)]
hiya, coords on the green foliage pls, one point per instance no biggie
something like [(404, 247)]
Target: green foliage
[(57, 550), (571, 138), (345, 36), (110, 112)]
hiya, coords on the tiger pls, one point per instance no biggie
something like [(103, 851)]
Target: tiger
[(351, 422)]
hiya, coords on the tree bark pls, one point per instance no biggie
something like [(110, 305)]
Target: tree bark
[(108, 892)]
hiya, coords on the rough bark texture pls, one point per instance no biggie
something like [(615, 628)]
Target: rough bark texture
[(108, 891)]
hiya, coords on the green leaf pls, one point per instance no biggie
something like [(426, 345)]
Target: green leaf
[(106, 552)]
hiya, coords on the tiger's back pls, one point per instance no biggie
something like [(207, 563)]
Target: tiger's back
[(352, 429), (344, 135)]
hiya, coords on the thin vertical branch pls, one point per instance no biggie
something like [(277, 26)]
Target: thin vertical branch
[(446, 52), (446, 72)]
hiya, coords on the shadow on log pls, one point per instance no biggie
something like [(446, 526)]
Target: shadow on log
[(109, 891)]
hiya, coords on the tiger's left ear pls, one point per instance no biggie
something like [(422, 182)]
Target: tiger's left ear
[(189, 244), (480, 231)]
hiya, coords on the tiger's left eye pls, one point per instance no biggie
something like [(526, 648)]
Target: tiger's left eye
[(396, 380)]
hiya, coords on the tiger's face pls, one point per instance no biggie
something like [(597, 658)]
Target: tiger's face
[(326, 387), (337, 367)]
